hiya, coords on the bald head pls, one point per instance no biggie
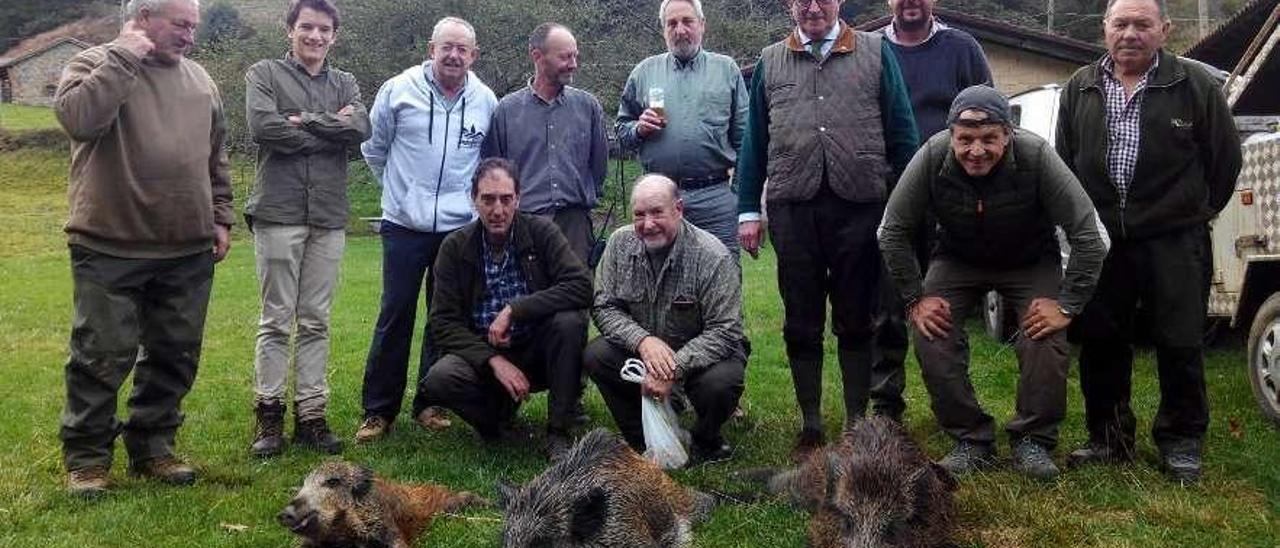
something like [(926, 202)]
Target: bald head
[(657, 210)]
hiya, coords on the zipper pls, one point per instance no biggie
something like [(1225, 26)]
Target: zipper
[(444, 154)]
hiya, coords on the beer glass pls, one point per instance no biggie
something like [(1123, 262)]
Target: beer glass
[(657, 102)]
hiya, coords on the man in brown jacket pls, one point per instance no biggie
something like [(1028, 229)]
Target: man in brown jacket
[(150, 214)]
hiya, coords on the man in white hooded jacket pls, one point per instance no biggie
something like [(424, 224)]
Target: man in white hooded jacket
[(428, 124)]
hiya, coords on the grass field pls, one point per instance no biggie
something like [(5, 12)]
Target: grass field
[(21, 117), (1235, 505)]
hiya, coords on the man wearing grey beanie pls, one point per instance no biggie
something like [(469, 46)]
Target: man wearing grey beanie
[(997, 194)]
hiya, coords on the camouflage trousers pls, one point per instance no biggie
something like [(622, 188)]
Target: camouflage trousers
[(144, 316)]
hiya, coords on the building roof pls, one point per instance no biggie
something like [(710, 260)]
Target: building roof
[(84, 33), (10, 60), (1226, 45), (1014, 36)]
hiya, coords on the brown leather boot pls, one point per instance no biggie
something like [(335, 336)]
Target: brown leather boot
[(315, 433), (268, 441)]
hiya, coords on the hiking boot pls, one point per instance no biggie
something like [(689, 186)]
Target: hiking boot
[(373, 428), (434, 418), (1034, 460), (88, 482), (807, 442), (268, 440), (558, 446), (1182, 466), (1098, 453), (968, 457), (168, 469), (710, 453), (314, 433)]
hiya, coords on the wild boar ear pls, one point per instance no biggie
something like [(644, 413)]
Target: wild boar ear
[(588, 515), (362, 483), (506, 493)]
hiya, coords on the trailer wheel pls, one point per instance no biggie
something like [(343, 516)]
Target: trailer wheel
[(1000, 320), (1264, 358)]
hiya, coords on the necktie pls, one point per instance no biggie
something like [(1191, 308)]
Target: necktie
[(815, 48)]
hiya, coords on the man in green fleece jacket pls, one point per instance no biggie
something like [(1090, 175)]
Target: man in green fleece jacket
[(150, 214), (830, 126), (996, 194)]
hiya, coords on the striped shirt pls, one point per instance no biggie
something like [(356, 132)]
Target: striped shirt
[(1124, 115)]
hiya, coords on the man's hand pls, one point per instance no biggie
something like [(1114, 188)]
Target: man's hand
[(500, 329), (656, 389), (221, 242), (1043, 318), (134, 39), (510, 377), (659, 359), (932, 317), (649, 123), (749, 237), (347, 111), (294, 119)]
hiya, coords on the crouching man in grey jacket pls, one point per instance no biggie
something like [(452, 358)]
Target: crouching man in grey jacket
[(997, 194)]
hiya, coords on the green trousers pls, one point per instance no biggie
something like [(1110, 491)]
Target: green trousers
[(144, 316)]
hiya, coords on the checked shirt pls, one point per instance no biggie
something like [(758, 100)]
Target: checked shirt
[(1123, 125), (503, 282)]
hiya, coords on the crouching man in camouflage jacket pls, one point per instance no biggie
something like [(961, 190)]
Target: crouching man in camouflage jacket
[(668, 293)]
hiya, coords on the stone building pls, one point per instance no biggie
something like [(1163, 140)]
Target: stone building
[(29, 75)]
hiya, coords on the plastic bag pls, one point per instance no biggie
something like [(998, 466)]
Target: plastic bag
[(664, 439)]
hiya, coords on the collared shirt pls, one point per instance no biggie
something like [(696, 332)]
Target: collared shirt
[(302, 169), (1124, 115), (559, 146), (828, 42), (503, 283), (706, 112), (429, 72), (892, 33)]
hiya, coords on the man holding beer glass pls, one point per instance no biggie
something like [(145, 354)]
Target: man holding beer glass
[(685, 111)]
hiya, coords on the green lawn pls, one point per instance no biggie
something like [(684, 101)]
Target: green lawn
[(21, 117), (1135, 506)]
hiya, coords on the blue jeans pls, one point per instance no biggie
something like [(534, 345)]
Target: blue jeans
[(407, 259)]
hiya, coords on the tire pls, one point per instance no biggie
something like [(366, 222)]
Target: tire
[(1264, 358)]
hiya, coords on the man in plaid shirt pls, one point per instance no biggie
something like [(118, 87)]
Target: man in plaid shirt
[(1151, 138), (508, 314), (669, 294)]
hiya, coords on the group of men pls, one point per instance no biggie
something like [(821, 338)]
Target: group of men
[(486, 208)]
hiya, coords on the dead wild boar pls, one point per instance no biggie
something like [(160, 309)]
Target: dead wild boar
[(601, 494), (345, 505), (873, 488)]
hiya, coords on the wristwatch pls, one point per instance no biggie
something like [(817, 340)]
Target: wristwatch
[(1065, 312)]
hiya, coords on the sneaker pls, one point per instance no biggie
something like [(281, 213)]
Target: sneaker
[(1098, 453), (1184, 467), (372, 429), (268, 439), (88, 482), (434, 418), (968, 457), (807, 442), (558, 446), (315, 433), (1034, 460), (168, 469)]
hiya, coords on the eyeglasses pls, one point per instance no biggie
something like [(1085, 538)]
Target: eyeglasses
[(804, 4)]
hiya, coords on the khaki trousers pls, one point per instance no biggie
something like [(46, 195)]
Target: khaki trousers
[(297, 272)]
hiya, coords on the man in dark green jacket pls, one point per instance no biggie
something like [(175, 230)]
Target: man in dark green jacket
[(830, 126), (508, 314), (997, 194), (1152, 140)]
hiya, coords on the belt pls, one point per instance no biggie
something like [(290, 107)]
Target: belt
[(695, 183)]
